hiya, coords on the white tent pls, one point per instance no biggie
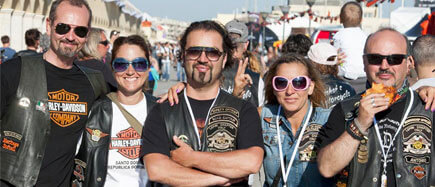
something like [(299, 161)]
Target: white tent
[(405, 18), (299, 22)]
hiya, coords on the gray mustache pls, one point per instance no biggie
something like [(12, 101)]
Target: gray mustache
[(384, 72)]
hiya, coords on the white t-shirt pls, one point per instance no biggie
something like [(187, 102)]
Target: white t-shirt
[(351, 41), (123, 167)]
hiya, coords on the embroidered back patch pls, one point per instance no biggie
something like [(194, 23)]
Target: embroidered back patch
[(221, 130), (417, 140)]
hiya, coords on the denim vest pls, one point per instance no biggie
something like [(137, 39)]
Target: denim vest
[(304, 171)]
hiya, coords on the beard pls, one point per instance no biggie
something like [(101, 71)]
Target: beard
[(66, 51)]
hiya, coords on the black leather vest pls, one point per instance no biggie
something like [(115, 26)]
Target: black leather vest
[(25, 127), (220, 131), (412, 159), (91, 160), (251, 93)]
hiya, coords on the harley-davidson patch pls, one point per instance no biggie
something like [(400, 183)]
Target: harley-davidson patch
[(10, 144), (221, 130), (308, 147), (418, 172), (127, 142), (96, 134)]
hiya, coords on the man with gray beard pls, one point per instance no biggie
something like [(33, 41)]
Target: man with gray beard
[(39, 131)]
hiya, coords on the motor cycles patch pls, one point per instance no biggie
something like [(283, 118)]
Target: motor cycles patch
[(418, 172), (221, 130), (417, 136), (79, 169), (308, 146)]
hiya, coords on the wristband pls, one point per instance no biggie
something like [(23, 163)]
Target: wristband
[(358, 125), (355, 132)]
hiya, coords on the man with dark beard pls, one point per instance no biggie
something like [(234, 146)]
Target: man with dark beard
[(45, 100), (210, 137)]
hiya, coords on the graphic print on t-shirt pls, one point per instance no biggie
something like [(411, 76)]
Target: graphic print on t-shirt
[(127, 142), (388, 128), (200, 124), (64, 107)]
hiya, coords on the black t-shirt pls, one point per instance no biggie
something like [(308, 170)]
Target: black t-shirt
[(155, 138), (70, 96), (388, 123)]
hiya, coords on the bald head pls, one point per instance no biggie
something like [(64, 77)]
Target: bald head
[(381, 67)]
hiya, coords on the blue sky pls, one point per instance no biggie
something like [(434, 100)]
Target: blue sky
[(194, 10)]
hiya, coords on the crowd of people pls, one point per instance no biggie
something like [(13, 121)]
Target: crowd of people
[(81, 112)]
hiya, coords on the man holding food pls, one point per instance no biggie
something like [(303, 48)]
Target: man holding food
[(384, 136)]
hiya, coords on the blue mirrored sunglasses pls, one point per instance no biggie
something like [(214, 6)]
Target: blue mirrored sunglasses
[(139, 64)]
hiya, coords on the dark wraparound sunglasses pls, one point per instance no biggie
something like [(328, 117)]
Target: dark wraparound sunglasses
[(212, 54), (298, 83), (139, 64), (80, 31), (376, 59), (105, 42)]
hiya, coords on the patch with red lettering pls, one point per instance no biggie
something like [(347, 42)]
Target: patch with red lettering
[(418, 172), (127, 142), (10, 144), (79, 169)]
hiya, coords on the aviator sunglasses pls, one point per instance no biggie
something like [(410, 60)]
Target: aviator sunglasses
[(80, 31), (298, 83), (139, 64), (212, 54), (376, 59)]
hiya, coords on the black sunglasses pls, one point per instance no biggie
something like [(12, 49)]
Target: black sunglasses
[(212, 54), (80, 31), (139, 64), (105, 42), (376, 59)]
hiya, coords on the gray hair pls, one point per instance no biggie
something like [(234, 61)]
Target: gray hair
[(422, 50), (90, 49)]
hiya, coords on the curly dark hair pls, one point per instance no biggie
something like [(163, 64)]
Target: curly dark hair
[(299, 44), (208, 25), (318, 98)]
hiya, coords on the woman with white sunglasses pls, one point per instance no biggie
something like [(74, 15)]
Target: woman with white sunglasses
[(291, 121)]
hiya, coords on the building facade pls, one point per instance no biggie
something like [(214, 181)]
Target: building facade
[(17, 16)]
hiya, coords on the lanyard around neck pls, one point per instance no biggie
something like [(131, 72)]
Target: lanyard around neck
[(193, 117), (385, 154), (281, 155)]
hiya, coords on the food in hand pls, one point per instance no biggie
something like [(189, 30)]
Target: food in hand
[(389, 91)]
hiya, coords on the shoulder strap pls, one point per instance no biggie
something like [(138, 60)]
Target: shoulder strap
[(277, 177), (130, 118)]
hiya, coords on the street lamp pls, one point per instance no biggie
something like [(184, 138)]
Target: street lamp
[(284, 9), (310, 4), (264, 17)]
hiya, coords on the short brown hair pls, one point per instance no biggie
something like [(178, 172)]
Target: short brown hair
[(351, 14), (327, 69), (318, 97)]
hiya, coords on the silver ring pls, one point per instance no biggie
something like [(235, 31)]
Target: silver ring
[(373, 102)]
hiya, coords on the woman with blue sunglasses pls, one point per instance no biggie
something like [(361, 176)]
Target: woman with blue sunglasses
[(109, 152), (291, 120)]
